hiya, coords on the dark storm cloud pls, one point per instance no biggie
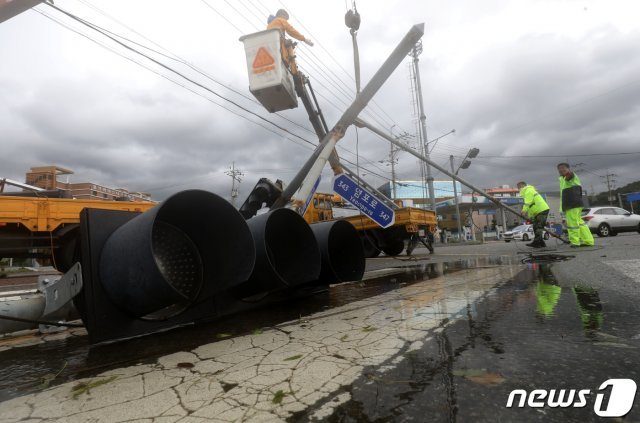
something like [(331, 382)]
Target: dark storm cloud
[(548, 94), (140, 140), (540, 93)]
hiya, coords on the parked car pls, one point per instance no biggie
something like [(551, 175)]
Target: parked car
[(522, 233), (610, 221)]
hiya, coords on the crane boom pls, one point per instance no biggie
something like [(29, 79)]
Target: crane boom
[(11, 8)]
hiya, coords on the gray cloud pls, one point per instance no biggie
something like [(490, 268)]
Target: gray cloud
[(537, 92)]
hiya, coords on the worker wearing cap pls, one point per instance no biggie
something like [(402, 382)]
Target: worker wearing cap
[(537, 209), (281, 22), (571, 205)]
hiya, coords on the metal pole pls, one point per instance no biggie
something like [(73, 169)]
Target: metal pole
[(504, 220), (423, 123), (455, 198), (356, 59), (620, 200), (472, 225), (304, 180), (233, 184), (393, 166), (404, 147), (393, 172), (320, 127)]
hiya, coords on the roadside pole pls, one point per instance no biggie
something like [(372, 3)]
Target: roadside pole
[(364, 124), (455, 199), (301, 185)]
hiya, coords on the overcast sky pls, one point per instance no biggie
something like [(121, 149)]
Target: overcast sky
[(513, 78)]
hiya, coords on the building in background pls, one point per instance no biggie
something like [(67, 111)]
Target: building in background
[(49, 178), (503, 191), (484, 216), (416, 193)]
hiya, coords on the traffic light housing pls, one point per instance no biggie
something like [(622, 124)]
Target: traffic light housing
[(145, 272)]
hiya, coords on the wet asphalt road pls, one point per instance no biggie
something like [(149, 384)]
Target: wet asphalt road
[(567, 325)]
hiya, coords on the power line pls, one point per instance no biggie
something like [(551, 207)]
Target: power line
[(95, 28), (170, 69), (373, 102), (171, 55), (252, 11), (329, 80), (560, 155), (171, 80), (242, 15), (221, 15)]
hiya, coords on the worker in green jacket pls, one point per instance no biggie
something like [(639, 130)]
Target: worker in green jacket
[(537, 209), (571, 205)]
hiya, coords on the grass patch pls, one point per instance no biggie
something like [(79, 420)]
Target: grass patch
[(278, 397), (223, 335), (293, 357), (83, 387)]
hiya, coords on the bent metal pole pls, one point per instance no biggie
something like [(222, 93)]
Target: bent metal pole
[(302, 184), (364, 124)]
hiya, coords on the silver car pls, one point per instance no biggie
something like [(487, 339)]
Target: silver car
[(522, 233), (610, 221)]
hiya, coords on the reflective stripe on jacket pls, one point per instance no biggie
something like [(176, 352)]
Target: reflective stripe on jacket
[(534, 204), (570, 193)]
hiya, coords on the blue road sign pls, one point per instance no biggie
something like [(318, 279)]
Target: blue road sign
[(365, 201)]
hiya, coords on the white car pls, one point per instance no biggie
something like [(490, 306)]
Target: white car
[(522, 233), (609, 221)]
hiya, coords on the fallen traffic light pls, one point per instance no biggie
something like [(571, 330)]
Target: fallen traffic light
[(145, 272)]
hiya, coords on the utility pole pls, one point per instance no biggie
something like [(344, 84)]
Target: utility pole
[(415, 52), (392, 160), (466, 162), (455, 197), (620, 201), (236, 176), (610, 185)]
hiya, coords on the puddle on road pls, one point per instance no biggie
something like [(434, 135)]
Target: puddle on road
[(524, 333), (529, 333), (23, 369)]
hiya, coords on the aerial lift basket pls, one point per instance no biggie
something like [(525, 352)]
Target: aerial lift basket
[(269, 79)]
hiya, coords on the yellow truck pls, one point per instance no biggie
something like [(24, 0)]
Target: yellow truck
[(47, 228), (412, 225)]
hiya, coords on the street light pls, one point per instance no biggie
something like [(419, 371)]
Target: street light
[(435, 140), (466, 162)]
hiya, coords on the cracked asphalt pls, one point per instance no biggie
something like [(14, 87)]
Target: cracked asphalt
[(437, 338)]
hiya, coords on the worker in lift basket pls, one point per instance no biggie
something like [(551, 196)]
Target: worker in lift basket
[(537, 210), (281, 22), (571, 205)]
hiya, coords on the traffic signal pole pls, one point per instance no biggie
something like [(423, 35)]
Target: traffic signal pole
[(455, 199), (364, 124), (302, 184)]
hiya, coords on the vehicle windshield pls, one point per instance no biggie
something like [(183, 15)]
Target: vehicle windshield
[(521, 228), (585, 211)]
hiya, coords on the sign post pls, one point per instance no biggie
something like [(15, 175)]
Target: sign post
[(366, 202)]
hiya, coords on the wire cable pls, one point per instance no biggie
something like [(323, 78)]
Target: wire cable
[(117, 41), (170, 69)]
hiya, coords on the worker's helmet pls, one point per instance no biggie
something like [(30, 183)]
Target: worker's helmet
[(282, 14)]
